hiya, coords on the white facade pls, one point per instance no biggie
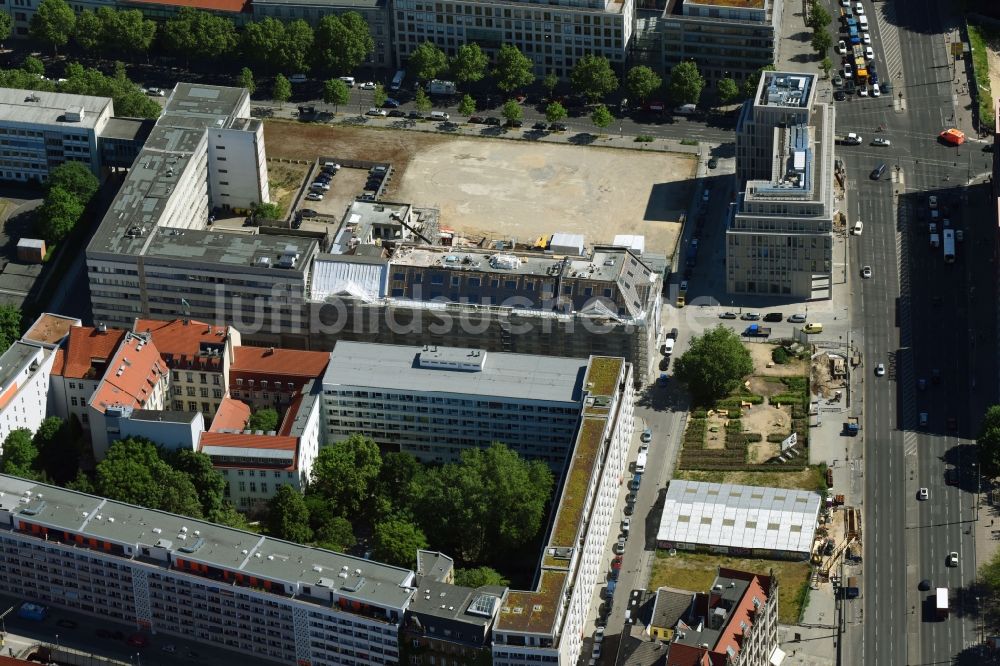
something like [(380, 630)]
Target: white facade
[(24, 386), (237, 175), (172, 431)]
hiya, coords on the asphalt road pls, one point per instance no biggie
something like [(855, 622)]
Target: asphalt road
[(917, 314)]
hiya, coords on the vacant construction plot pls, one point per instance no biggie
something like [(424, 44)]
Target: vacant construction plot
[(498, 188)]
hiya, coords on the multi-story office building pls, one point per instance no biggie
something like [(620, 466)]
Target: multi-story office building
[(437, 402), (41, 130), (554, 36), (782, 99), (172, 575), (736, 622), (199, 356), (725, 39), (546, 623), (376, 14), (779, 238)]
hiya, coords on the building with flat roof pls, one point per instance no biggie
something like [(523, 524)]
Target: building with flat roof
[(779, 233), (448, 623), (745, 521), (50, 330), (40, 130), (782, 99), (25, 369), (725, 39), (437, 402), (195, 580), (554, 37), (170, 430)]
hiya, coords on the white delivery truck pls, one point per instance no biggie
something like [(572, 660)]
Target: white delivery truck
[(941, 602), (640, 463)]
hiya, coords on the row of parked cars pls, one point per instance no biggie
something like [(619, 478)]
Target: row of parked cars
[(321, 185)]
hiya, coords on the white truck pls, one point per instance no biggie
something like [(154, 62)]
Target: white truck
[(640, 463), (935, 241), (941, 602), (439, 87)]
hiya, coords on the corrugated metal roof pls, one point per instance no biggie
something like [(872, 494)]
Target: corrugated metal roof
[(360, 279)]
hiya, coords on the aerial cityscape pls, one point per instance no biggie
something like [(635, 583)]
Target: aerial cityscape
[(499, 332)]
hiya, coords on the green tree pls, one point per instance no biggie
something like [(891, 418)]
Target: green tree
[(467, 106), (555, 112), (686, 83), (422, 101), (989, 573), (821, 42), (513, 69), (133, 471), (281, 92), (270, 210), (127, 31), (512, 111), (263, 419), (989, 443), (58, 215), (469, 63), (345, 472), (58, 449), (398, 481), (230, 517), (207, 481), (479, 577), (247, 81), (728, 90), (276, 46), (287, 516), (396, 541), (53, 23), (197, 34), (593, 77), (19, 454), (296, 46), (826, 65), (75, 178), (601, 117), (6, 25), (379, 96), (426, 61), (10, 325), (81, 484), (549, 82), (343, 42), (33, 65), (335, 534), (336, 92), (714, 365), (819, 18), (750, 83), (642, 82), (89, 31)]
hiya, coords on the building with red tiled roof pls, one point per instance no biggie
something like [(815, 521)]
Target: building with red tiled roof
[(135, 377), (236, 10), (199, 356), (733, 624), (270, 377), (78, 369), (232, 415)]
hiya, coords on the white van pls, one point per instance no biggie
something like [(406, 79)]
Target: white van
[(686, 109), (439, 115), (863, 22), (858, 228), (349, 80)]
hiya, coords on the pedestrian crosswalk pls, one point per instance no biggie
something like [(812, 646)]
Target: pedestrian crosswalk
[(888, 33)]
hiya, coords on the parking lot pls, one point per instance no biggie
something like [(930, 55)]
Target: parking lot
[(507, 189)]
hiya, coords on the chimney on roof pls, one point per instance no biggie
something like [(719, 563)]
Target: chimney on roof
[(269, 351), (102, 327)]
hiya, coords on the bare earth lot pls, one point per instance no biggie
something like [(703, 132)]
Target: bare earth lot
[(513, 189)]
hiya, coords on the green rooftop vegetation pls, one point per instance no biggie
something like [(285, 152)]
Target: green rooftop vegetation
[(602, 376), (578, 480), (751, 4), (533, 610)]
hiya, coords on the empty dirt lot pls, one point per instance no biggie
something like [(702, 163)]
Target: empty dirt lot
[(513, 189)]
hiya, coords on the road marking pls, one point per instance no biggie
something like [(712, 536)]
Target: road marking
[(886, 20)]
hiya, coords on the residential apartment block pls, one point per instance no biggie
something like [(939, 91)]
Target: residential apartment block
[(725, 39), (41, 130), (271, 377), (437, 402), (172, 575), (553, 36), (779, 236), (24, 387), (79, 367)]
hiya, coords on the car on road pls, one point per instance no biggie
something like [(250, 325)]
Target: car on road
[(647, 435), (879, 141), (391, 103), (837, 80), (924, 585), (797, 318), (492, 120), (932, 201), (169, 647), (841, 47), (813, 328), (628, 510), (314, 196), (773, 316), (839, 95), (750, 316), (368, 85), (853, 139), (880, 370), (877, 171), (923, 494), (635, 482), (396, 113), (138, 640), (848, 71), (869, 53), (923, 418), (557, 127), (859, 8), (619, 547), (415, 115), (866, 272), (713, 163), (952, 136), (376, 111), (727, 315), (626, 525), (477, 120), (540, 126), (953, 559), (155, 92), (951, 476), (866, 38), (673, 334), (616, 562), (668, 347), (863, 91), (876, 91)]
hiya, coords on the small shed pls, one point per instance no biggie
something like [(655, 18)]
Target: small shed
[(31, 250), (633, 242), (571, 244)]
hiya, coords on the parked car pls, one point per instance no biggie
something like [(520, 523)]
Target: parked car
[(492, 120), (797, 318), (750, 316), (375, 111), (713, 163), (368, 85), (727, 315), (839, 95), (923, 494), (557, 127), (155, 92), (647, 435), (879, 141), (314, 196), (138, 640), (540, 126), (773, 316), (513, 123), (866, 272), (953, 559)]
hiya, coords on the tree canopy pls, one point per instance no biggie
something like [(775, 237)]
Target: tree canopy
[(593, 77), (345, 473), (469, 63), (750, 83), (133, 471), (6, 25), (818, 17), (714, 364), (512, 110), (642, 82), (207, 481), (19, 454), (426, 61), (59, 445), (601, 117), (555, 112), (989, 443), (287, 516), (201, 35), (728, 90), (686, 83), (75, 178), (263, 419), (336, 92), (10, 325), (342, 42), (422, 101), (513, 69), (467, 106), (246, 80), (53, 23), (821, 42), (58, 215), (479, 576), (396, 541), (273, 45)]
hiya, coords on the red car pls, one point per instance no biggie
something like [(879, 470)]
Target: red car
[(138, 640), (617, 562)]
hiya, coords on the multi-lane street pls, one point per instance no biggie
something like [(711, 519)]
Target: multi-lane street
[(922, 317)]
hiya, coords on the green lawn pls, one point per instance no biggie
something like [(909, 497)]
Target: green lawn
[(978, 38), (810, 478)]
